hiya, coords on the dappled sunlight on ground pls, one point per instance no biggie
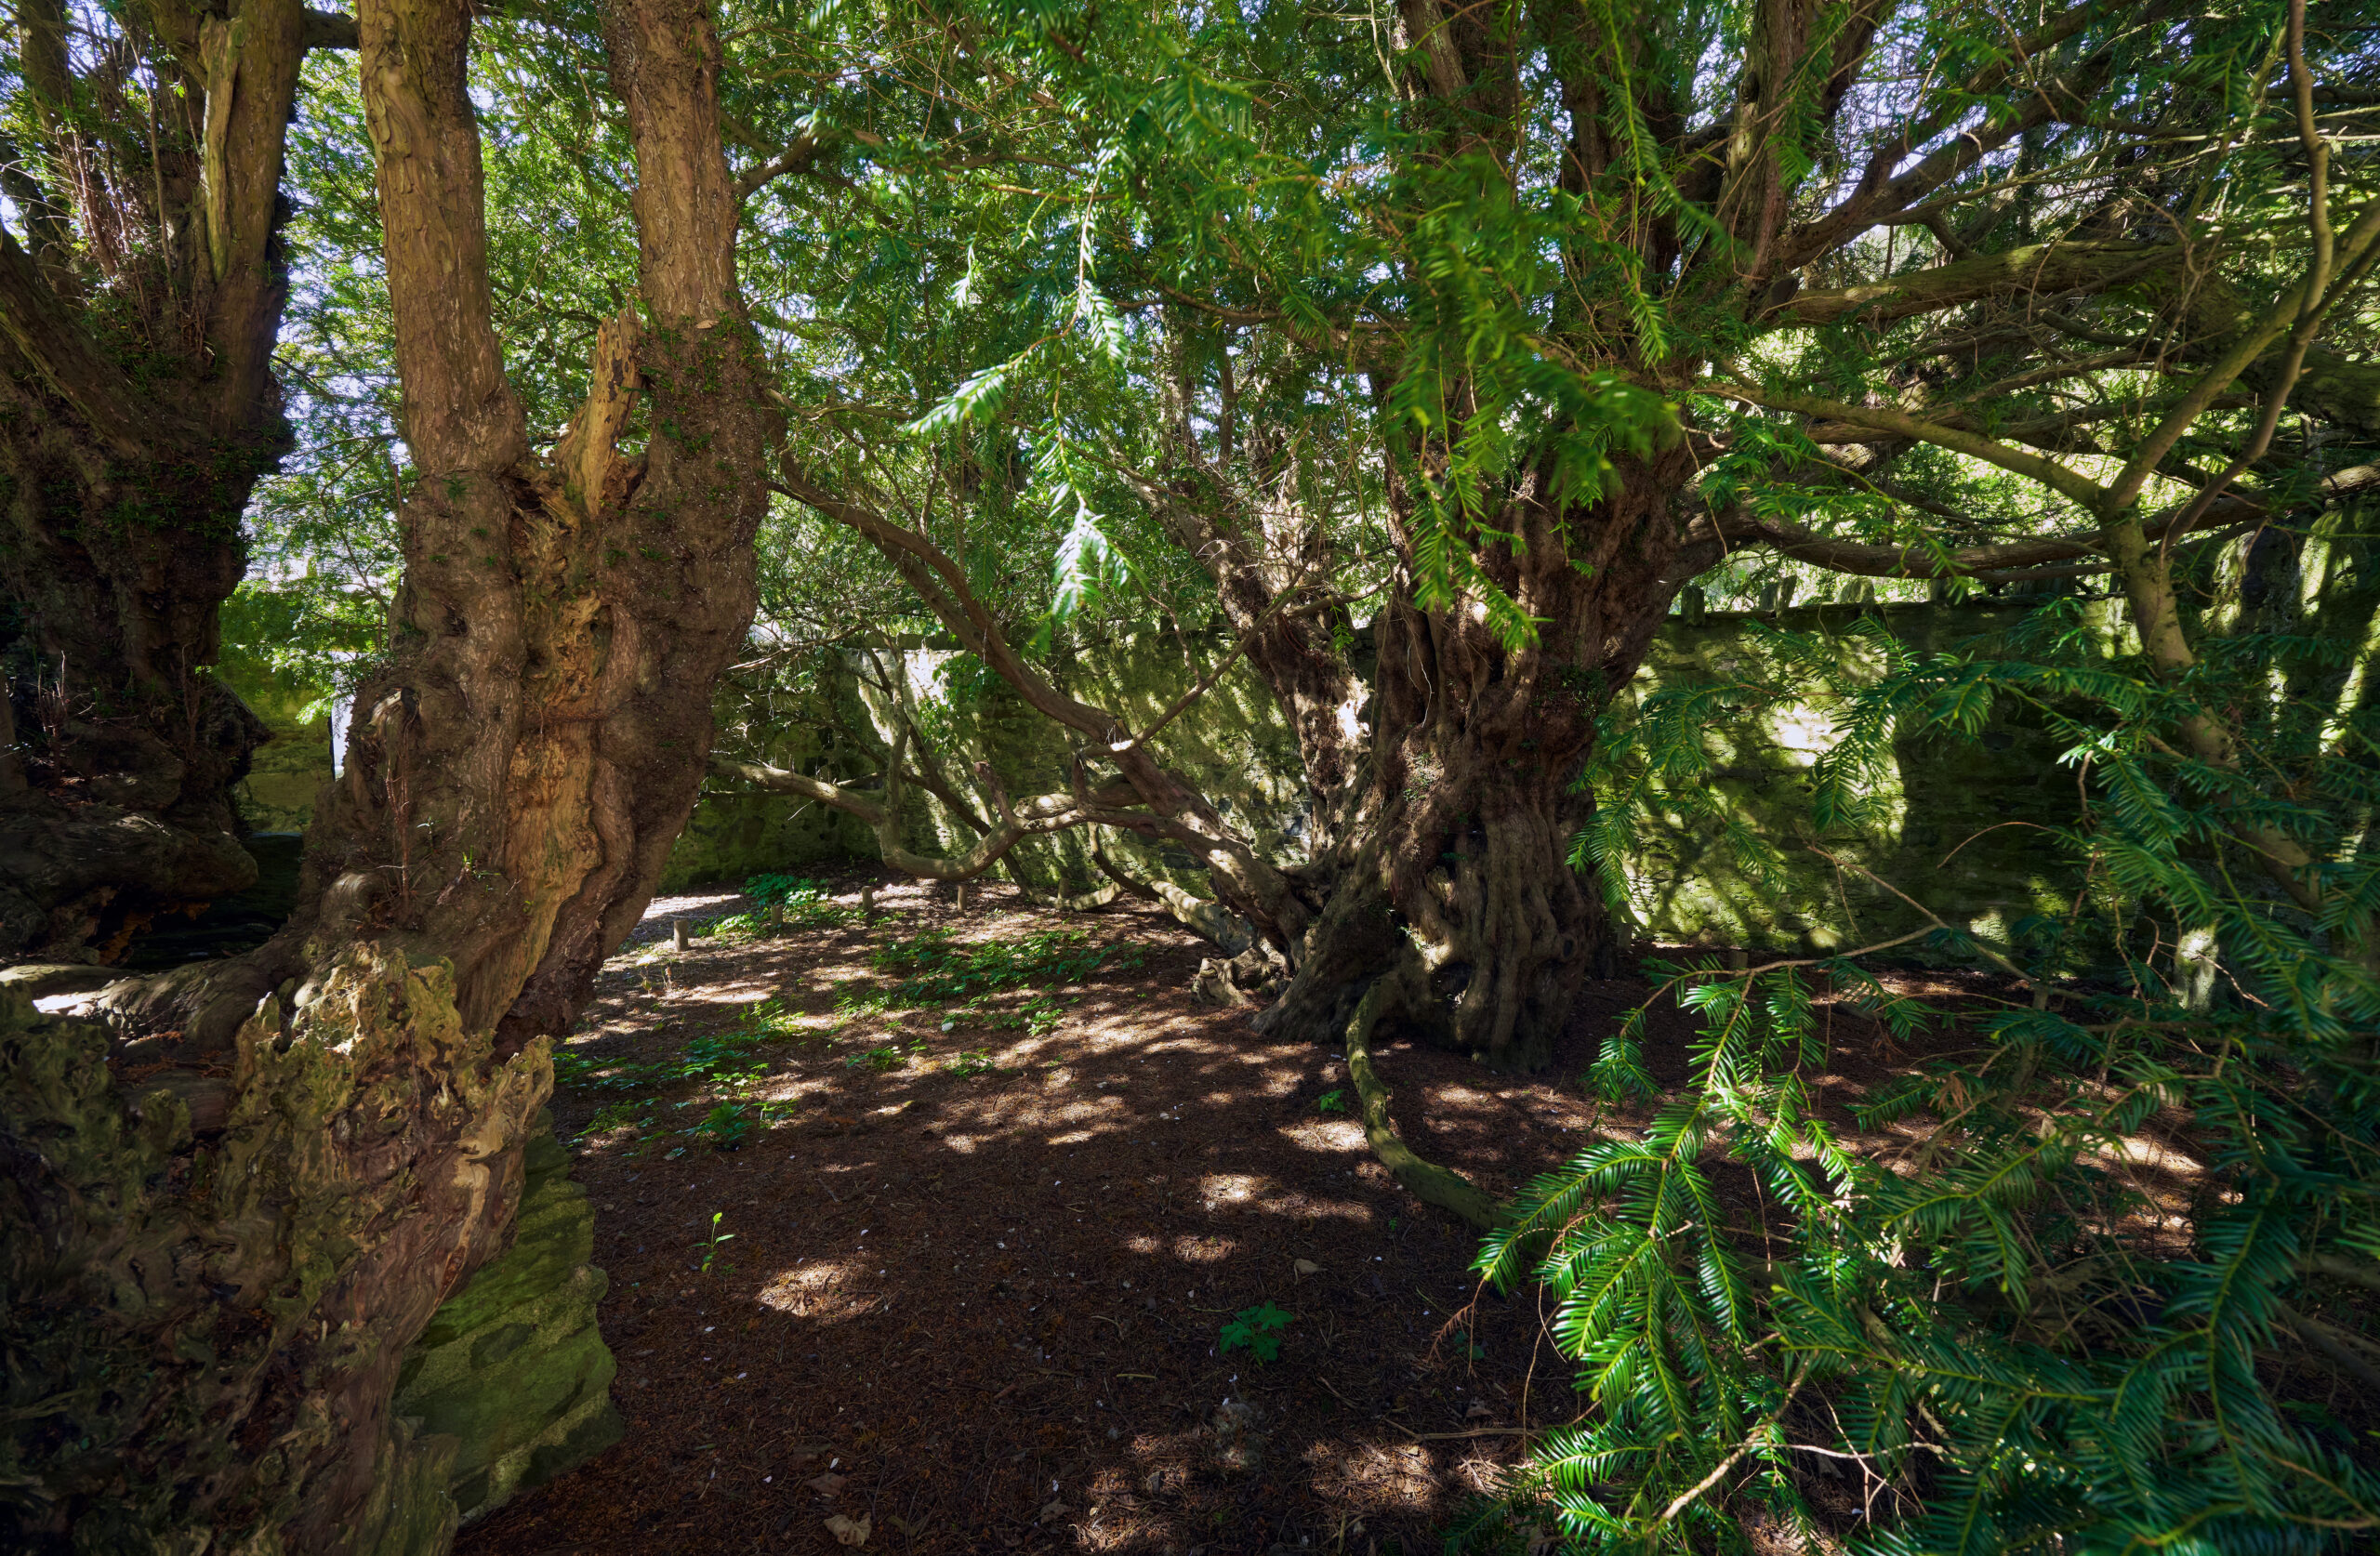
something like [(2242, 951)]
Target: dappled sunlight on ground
[(973, 1258), (978, 1259)]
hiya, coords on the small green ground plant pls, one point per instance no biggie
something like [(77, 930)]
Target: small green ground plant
[(726, 1068), (724, 1128), (711, 1243), (936, 970), (1256, 1330), (785, 905), (978, 984)]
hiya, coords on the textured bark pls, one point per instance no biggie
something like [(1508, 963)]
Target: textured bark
[(122, 490), (1474, 797), (210, 1274), (1261, 554), (230, 1209)]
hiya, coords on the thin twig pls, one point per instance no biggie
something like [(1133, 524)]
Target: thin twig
[(1692, 1494)]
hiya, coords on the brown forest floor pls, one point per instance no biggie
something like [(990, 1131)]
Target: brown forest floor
[(981, 1308)]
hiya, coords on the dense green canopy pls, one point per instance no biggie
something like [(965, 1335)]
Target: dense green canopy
[(1497, 333)]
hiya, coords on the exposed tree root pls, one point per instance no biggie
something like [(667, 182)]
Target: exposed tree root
[(1254, 976), (1085, 902), (1443, 1187)]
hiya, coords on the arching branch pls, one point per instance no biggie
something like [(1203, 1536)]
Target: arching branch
[(1250, 886), (2008, 561), (2040, 270), (1039, 816)]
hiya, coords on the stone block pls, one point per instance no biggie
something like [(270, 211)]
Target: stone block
[(512, 1367)]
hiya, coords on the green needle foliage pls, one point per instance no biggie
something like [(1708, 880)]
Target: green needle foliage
[(2004, 1342), (1375, 285)]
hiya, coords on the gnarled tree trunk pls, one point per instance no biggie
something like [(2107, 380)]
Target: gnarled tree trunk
[(229, 1206), (1464, 858), (136, 412)]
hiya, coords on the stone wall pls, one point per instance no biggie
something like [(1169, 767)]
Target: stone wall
[(1232, 744), (1987, 800), (286, 770), (512, 1368), (732, 835), (1685, 886)]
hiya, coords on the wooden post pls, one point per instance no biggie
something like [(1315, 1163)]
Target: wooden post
[(677, 933)]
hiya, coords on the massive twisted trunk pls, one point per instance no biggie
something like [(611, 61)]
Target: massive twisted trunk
[(136, 411), (1475, 798), (230, 1206)]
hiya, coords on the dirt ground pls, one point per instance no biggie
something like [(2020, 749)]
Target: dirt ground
[(975, 1262)]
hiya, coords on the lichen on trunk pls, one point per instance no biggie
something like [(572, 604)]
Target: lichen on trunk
[(210, 1274)]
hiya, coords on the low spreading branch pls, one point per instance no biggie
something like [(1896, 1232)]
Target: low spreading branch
[(1251, 887), (1039, 816)]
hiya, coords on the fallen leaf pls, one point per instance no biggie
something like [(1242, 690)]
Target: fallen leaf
[(826, 1485), (1307, 1267), (1052, 1509), (848, 1531)]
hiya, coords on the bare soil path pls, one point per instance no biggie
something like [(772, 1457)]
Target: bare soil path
[(936, 1220), (978, 1272)]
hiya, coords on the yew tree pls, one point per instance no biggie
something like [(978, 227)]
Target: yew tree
[(1498, 326), (139, 298), (235, 1193)]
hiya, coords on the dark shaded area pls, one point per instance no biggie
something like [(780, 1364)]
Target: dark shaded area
[(229, 925), (988, 1304)]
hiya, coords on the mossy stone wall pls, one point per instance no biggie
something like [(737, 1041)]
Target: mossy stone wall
[(290, 768), (1965, 836), (730, 836), (512, 1368), (1232, 744)]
